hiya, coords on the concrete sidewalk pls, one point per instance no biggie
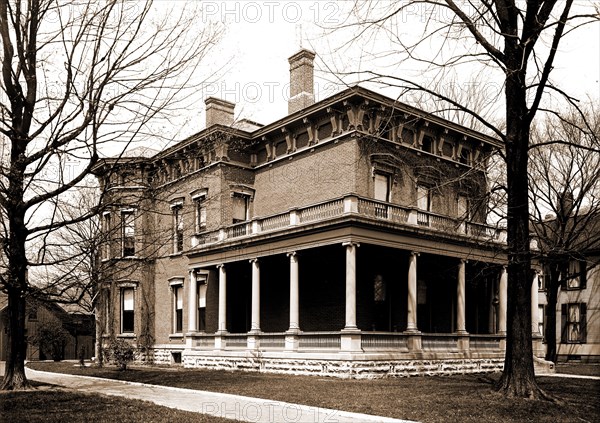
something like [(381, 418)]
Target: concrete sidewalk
[(215, 404)]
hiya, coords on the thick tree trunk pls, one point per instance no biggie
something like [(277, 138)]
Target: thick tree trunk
[(518, 377), (14, 371)]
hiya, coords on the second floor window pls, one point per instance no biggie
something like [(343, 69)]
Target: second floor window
[(107, 236), (128, 233), (200, 214), (177, 228), (576, 278), (463, 207), (423, 198), (382, 187), (240, 207)]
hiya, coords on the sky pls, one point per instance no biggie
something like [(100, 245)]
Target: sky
[(261, 35)]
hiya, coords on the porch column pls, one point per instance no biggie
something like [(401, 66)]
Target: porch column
[(411, 317), (461, 327), (222, 325), (351, 285), (294, 293), (193, 303), (502, 299), (255, 320), (535, 328)]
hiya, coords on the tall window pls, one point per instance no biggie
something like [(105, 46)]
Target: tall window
[(240, 207), (177, 228), (202, 287), (127, 310), (423, 204), (128, 233), (106, 230), (463, 207), (541, 319), (200, 203), (381, 193), (178, 308), (574, 322)]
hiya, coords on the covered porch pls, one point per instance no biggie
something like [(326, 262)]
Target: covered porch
[(351, 299)]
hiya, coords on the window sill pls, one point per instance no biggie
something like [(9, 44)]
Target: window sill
[(177, 254), (176, 336), (127, 335)]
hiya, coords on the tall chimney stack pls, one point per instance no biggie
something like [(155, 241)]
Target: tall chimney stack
[(218, 112), (301, 80)]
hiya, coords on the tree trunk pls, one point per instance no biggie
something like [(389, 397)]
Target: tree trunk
[(518, 377), (14, 371), (550, 325)]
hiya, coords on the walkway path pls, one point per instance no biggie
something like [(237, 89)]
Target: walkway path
[(216, 404), (212, 403)]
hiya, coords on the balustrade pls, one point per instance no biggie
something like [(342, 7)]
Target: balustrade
[(362, 206)]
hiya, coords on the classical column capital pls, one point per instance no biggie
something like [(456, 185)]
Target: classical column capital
[(351, 243), (253, 260)]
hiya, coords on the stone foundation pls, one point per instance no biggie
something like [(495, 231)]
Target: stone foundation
[(342, 368)]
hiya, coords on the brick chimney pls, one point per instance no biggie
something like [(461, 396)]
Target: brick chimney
[(301, 80), (218, 112)]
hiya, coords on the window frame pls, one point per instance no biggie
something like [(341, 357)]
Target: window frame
[(128, 251), (568, 323), (127, 315), (246, 200), (107, 235), (202, 285), (177, 227), (200, 210), (466, 215), (178, 300), (428, 197), (577, 282)]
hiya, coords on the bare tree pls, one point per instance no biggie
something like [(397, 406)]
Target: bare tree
[(77, 77), (517, 43), (565, 198)]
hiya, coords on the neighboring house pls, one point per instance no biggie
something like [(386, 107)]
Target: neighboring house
[(578, 304), (348, 238), (78, 327)]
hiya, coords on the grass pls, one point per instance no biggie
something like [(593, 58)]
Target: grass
[(468, 398), (47, 403)]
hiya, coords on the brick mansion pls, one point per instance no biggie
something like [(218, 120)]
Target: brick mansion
[(349, 238)]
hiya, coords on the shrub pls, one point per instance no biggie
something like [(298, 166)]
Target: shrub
[(121, 352), (51, 338)]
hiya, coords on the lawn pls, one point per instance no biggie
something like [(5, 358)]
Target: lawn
[(51, 404), (468, 398)]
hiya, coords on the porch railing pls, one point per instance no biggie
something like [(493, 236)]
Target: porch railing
[(351, 205), (485, 342), (439, 342), (384, 341), (319, 341), (397, 342)]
